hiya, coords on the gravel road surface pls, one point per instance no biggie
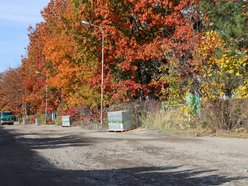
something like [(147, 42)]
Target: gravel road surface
[(69, 156)]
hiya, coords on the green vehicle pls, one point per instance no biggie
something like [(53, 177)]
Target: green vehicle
[(7, 117)]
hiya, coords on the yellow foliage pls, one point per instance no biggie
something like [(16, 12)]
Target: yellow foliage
[(220, 67)]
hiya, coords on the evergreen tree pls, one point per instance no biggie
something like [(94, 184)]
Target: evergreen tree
[(230, 19)]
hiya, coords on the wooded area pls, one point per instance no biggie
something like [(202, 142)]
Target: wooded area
[(154, 50)]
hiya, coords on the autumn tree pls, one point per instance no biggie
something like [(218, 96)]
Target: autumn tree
[(216, 63), (140, 38), (11, 91), (34, 74), (71, 54), (59, 56), (153, 49), (226, 22), (138, 35)]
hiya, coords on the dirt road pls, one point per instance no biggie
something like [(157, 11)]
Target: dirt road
[(52, 155)]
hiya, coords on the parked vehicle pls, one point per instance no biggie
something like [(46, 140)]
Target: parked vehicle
[(7, 117)]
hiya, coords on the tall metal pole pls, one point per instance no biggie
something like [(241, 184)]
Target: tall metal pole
[(46, 94), (46, 101), (102, 67), (25, 113), (102, 77)]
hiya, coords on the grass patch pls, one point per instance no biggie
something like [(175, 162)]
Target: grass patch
[(177, 121)]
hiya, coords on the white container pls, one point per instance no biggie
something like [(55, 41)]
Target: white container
[(66, 121), (37, 121), (119, 120)]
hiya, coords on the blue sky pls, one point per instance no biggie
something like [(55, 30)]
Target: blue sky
[(15, 18)]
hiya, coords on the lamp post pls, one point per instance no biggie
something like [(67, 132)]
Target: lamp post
[(89, 24), (46, 94), (46, 101), (24, 104)]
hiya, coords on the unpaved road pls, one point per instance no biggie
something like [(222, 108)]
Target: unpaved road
[(52, 155)]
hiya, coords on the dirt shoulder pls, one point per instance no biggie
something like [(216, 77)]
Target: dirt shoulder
[(89, 157)]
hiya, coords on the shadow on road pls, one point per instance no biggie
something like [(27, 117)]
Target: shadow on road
[(47, 142), (153, 176), (55, 142), (18, 160)]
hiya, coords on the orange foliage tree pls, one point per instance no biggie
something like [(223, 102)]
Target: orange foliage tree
[(140, 37), (11, 91)]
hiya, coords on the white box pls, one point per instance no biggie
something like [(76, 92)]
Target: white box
[(119, 120), (66, 121)]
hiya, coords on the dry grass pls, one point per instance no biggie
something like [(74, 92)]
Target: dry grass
[(217, 118), (228, 115)]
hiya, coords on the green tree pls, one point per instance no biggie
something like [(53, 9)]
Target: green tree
[(230, 20)]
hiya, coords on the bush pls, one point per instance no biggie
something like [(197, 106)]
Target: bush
[(215, 115), (230, 114)]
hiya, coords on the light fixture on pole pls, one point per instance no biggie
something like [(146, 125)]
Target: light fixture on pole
[(46, 91), (46, 100), (89, 24)]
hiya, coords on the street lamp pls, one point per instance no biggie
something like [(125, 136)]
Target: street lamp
[(37, 72), (46, 101), (89, 24), (21, 91)]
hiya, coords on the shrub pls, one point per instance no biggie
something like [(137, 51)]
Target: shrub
[(229, 114), (215, 115)]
